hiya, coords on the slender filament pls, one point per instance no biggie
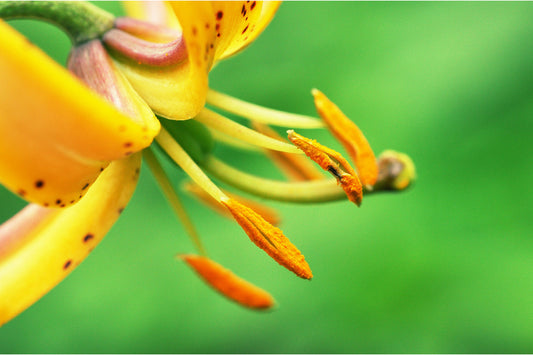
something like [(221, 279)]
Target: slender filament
[(261, 114), (178, 154), (299, 192), (233, 129), (173, 198)]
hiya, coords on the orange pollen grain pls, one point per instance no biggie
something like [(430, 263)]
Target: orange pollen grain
[(269, 238), (333, 162), (350, 137), (229, 284)]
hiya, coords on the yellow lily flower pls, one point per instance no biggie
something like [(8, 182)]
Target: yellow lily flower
[(74, 151)]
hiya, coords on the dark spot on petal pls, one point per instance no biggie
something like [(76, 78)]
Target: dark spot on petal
[(207, 25), (217, 27), (58, 202), (219, 15), (71, 202), (62, 205), (218, 34), (211, 46), (128, 144), (39, 184), (120, 210), (46, 204), (85, 186), (194, 31), (67, 264), (244, 29), (137, 171), (88, 237), (21, 192), (252, 6)]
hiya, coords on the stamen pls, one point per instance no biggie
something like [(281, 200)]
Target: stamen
[(173, 198), (269, 214), (245, 134), (269, 238), (317, 191), (229, 284), (232, 142), (145, 52), (260, 114), (178, 154), (351, 138), (331, 161), (295, 167)]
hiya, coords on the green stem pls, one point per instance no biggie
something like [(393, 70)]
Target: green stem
[(82, 21)]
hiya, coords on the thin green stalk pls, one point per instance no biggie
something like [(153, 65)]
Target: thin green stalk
[(81, 20)]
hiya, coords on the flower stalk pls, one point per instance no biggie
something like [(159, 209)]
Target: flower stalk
[(82, 21)]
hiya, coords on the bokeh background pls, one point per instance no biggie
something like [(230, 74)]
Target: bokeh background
[(444, 267)]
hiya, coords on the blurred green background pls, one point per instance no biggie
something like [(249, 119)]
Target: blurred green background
[(444, 267)]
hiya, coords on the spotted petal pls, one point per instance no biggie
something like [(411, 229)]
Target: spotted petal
[(211, 30), (56, 135), (242, 22), (179, 91), (40, 246)]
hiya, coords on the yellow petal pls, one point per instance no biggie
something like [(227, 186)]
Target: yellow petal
[(229, 284), (34, 259), (55, 134), (156, 12), (242, 23), (179, 91)]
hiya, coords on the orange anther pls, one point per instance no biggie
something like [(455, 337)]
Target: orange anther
[(269, 238), (229, 284), (333, 162), (295, 167), (351, 138), (268, 213)]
